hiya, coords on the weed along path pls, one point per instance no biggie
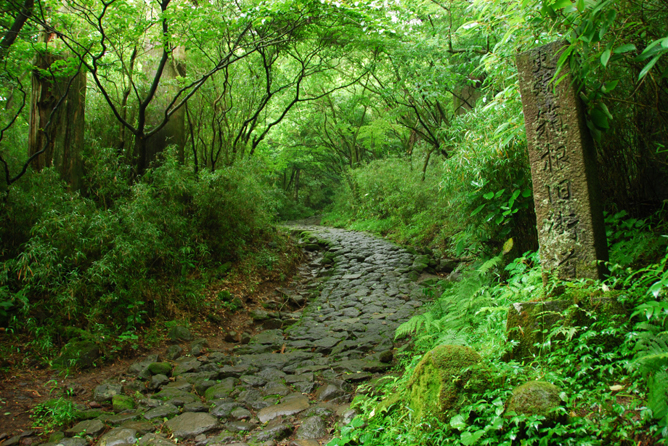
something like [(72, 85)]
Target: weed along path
[(289, 384)]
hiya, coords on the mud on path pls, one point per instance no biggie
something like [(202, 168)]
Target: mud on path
[(289, 384)]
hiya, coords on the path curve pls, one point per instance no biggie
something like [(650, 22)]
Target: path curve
[(287, 386)]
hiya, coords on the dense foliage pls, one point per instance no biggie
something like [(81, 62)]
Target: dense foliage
[(204, 123)]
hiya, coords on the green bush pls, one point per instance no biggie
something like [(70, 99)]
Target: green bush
[(124, 253)]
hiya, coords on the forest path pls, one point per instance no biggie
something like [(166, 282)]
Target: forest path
[(286, 386)]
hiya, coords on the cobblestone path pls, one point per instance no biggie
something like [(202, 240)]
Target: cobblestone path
[(289, 385)]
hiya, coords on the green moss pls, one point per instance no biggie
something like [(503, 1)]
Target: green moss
[(121, 403), (160, 368), (444, 380), (535, 398)]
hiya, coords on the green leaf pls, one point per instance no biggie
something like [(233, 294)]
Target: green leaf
[(489, 195), (478, 209), (458, 422), (526, 193), (599, 118), (605, 57), (499, 193), (625, 48), (469, 439), (561, 4), (609, 86), (649, 66)]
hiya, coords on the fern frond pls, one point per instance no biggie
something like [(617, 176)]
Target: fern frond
[(491, 263)]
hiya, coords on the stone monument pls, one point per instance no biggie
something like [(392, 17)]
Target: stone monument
[(571, 232)]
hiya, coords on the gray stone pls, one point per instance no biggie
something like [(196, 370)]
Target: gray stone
[(154, 440), (164, 411), (312, 427), (284, 409), (221, 390), (179, 333), (173, 352), (118, 436), (269, 337), (239, 426), (234, 371), (188, 365), (121, 418), (271, 374), (328, 391), (177, 386), (75, 441), (88, 427), (157, 381), (190, 424), (196, 406), (273, 431), (569, 215), (105, 392), (239, 413), (253, 380), (276, 388), (142, 427), (253, 398)]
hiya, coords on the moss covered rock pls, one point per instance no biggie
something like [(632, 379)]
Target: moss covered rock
[(160, 368), (535, 398), (121, 403), (444, 381), (80, 354)]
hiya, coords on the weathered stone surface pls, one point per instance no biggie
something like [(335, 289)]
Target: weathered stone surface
[(527, 323), (535, 398), (173, 352), (179, 333), (221, 390), (313, 427), (571, 232), (240, 426), (273, 431), (117, 437), (105, 392), (120, 418), (164, 411), (284, 409), (328, 392), (140, 368), (443, 380), (141, 427), (154, 440), (88, 427), (188, 365), (190, 424)]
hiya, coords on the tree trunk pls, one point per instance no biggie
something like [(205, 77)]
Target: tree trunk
[(59, 132), (172, 133)]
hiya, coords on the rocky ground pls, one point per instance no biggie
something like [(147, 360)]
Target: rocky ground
[(291, 383)]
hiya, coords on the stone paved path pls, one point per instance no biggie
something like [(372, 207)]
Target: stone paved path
[(288, 385)]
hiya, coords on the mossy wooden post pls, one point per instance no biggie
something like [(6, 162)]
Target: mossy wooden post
[(571, 233)]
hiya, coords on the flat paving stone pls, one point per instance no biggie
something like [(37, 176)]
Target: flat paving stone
[(292, 407)]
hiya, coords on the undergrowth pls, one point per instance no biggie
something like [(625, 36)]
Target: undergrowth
[(611, 366), (110, 261)]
